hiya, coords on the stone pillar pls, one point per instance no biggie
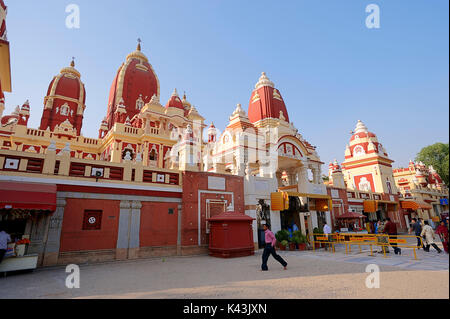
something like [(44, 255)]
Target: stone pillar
[(292, 177), (302, 223), (180, 211), (316, 178), (129, 229), (302, 176), (52, 244), (127, 170), (64, 164), (49, 162), (278, 175)]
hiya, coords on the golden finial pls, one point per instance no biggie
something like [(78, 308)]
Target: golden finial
[(72, 64), (139, 44)]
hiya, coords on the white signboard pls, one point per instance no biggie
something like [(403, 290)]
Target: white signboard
[(334, 193), (216, 183)]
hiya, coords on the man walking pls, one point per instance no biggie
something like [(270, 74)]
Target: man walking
[(4, 240), (269, 249), (391, 229), (428, 232), (327, 231), (416, 227)]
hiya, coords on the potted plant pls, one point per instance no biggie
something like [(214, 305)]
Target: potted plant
[(317, 231), (283, 244), (296, 240), (282, 235), (292, 244), (302, 240)]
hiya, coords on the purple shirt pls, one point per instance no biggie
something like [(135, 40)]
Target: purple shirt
[(270, 238)]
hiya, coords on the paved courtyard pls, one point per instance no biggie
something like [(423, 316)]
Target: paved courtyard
[(318, 274)]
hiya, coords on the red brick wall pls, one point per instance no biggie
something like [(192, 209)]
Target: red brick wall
[(74, 238), (193, 182), (158, 227)]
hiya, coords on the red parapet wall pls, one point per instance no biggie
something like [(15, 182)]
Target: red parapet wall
[(74, 238)]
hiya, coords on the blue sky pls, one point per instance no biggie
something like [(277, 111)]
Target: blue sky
[(330, 68)]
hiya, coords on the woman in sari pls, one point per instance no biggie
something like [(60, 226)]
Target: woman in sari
[(442, 231)]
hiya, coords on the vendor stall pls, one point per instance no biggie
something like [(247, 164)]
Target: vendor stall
[(25, 209), (351, 222)]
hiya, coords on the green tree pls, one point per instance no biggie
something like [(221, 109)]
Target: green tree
[(438, 156)]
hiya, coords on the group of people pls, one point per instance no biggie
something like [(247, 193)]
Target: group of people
[(419, 227), (389, 228), (422, 229)]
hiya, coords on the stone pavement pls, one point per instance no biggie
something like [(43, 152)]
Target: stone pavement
[(425, 261), (310, 275)]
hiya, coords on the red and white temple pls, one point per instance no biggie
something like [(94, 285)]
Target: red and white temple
[(149, 182)]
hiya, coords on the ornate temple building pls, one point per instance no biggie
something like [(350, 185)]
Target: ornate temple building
[(149, 182), (275, 161), (368, 185), (365, 184), (423, 192)]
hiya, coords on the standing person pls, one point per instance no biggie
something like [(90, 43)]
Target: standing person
[(442, 231), (377, 224), (391, 229), (416, 227), (269, 249), (421, 222), (428, 232), (5, 238), (327, 231), (382, 240)]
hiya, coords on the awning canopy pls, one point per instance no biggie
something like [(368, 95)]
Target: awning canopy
[(351, 215), (316, 196), (31, 196), (280, 200), (415, 205), (370, 206)]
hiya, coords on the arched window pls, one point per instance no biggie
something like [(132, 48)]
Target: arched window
[(139, 102), (64, 109), (359, 150), (153, 155)]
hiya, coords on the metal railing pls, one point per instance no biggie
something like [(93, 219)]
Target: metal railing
[(377, 240)]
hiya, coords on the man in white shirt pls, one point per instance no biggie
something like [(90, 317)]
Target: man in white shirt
[(4, 240), (326, 231)]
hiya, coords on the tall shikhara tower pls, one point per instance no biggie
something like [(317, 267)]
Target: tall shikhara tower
[(5, 65), (367, 166)]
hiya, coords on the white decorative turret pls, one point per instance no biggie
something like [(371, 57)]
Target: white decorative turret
[(347, 150), (264, 81), (212, 133), (121, 108), (154, 100), (360, 127)]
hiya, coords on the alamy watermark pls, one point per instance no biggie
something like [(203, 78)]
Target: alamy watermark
[(373, 280), (73, 279), (373, 19), (73, 19)]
